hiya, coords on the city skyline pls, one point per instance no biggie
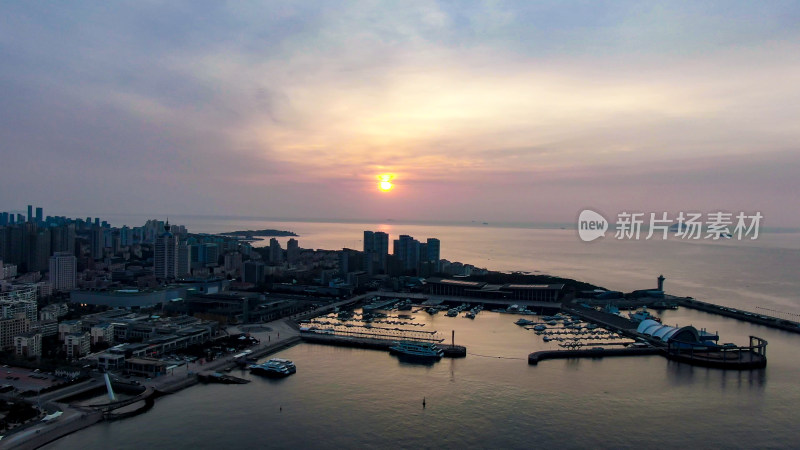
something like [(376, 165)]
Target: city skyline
[(512, 112)]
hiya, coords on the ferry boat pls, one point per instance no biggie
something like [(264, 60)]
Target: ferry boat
[(276, 368), (644, 314), (419, 350)]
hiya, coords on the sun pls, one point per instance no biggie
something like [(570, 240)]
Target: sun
[(385, 182)]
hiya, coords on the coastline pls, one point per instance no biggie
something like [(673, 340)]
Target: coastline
[(77, 418)]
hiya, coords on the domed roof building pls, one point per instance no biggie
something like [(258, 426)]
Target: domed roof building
[(686, 335)]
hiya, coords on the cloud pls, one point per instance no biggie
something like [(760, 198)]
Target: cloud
[(292, 108)]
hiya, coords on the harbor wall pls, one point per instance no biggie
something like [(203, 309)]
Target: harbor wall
[(535, 357)]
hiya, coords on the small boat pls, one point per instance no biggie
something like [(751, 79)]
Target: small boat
[(540, 327), (523, 322), (470, 315)]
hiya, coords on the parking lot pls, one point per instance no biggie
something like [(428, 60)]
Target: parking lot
[(23, 379)]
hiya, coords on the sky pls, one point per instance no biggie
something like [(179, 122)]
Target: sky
[(491, 111)]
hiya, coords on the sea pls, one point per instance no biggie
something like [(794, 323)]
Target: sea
[(354, 398)]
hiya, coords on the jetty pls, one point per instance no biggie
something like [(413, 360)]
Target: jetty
[(450, 351)]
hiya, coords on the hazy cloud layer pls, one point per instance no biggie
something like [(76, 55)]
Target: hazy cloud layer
[(515, 111)]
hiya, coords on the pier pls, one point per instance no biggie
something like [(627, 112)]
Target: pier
[(450, 351)]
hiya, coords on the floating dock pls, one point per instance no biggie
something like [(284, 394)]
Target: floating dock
[(216, 377)]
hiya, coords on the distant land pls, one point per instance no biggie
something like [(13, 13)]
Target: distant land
[(251, 234)]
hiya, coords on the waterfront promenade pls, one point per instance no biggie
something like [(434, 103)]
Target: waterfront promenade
[(274, 336)]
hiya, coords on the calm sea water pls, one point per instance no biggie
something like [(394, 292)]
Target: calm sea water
[(350, 398)]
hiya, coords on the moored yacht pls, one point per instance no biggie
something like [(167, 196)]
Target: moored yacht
[(276, 368)]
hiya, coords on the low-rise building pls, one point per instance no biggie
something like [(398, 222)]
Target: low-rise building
[(69, 327), (28, 345), (77, 345), (45, 327), (109, 361), (103, 332), (53, 311), (145, 367), (10, 328)]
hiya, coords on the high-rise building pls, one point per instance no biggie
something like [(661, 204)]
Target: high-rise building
[(35, 247), (165, 256), (292, 251), (208, 253), (63, 270), (253, 272), (434, 247), (184, 262), (39, 216), (30, 213), (275, 251), (97, 243), (62, 238), (233, 262), (406, 248), (125, 236), (376, 250)]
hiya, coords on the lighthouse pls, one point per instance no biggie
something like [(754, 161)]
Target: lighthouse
[(661, 283)]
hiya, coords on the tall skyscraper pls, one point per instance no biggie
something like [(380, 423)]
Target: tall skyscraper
[(35, 247), (125, 236), (292, 251), (62, 238), (376, 251), (63, 269), (433, 250), (275, 251), (406, 248), (39, 215), (97, 243), (184, 261), (30, 213), (165, 256)]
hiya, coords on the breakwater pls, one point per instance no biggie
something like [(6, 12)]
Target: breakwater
[(535, 357), (747, 316)]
